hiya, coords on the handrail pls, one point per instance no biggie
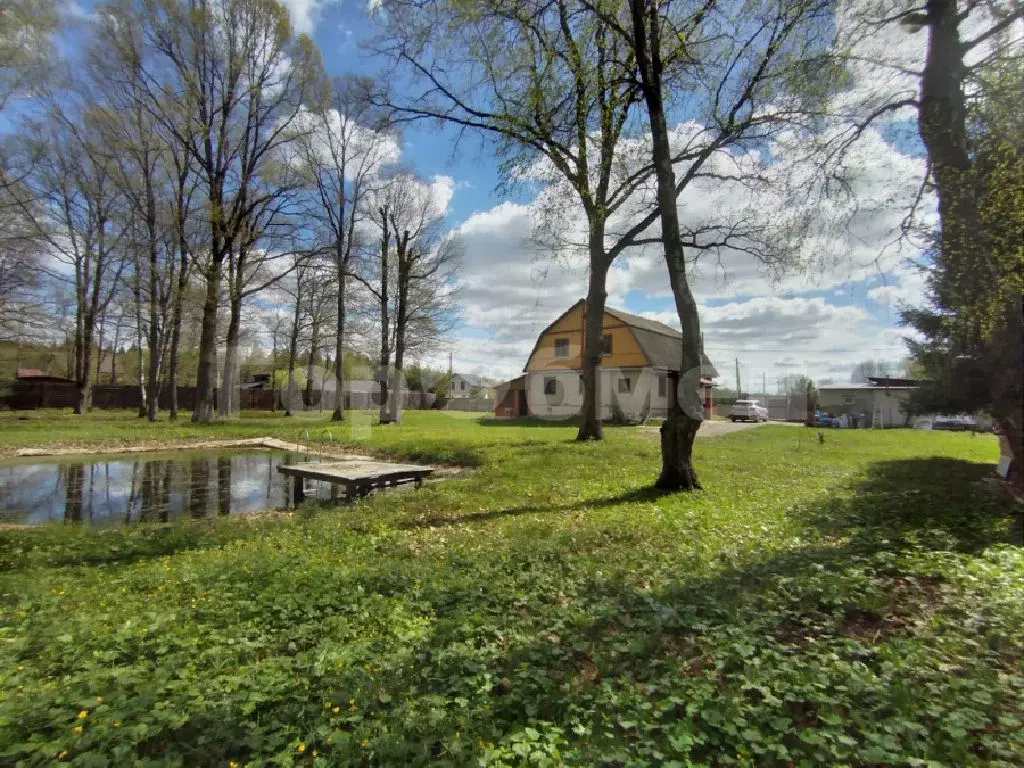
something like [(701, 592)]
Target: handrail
[(305, 442), (325, 436)]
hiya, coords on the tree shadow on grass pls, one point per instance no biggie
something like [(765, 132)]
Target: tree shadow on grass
[(936, 502), (804, 650), (530, 421), (789, 644)]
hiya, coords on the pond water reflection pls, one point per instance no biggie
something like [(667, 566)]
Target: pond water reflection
[(142, 487)]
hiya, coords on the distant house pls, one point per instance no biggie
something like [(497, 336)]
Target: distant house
[(469, 385), (257, 381), (37, 374), (881, 401), (639, 363)]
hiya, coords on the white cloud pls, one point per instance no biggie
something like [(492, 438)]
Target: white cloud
[(511, 289), (306, 13)]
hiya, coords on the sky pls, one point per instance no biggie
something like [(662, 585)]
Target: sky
[(820, 322)]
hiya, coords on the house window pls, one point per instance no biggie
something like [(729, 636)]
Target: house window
[(624, 384), (606, 344), (550, 385), (462, 385), (662, 385), (562, 348)]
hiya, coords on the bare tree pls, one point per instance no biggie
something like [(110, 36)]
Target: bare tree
[(554, 98), (410, 278), (342, 155), (746, 72), (26, 52), (22, 314), (236, 69), (78, 215)]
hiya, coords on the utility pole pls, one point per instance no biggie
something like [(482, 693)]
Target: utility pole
[(764, 388), (739, 389)]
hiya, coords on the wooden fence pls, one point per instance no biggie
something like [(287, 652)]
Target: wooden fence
[(29, 395)]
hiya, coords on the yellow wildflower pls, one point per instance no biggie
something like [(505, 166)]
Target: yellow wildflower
[(78, 729), (301, 747), (232, 764), (62, 754), (99, 698), (83, 714)]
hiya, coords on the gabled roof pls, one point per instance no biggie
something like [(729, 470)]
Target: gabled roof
[(472, 379), (892, 381), (661, 344)]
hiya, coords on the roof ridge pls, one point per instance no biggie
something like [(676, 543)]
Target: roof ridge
[(645, 323)]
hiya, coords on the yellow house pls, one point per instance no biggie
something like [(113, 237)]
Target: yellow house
[(633, 378)]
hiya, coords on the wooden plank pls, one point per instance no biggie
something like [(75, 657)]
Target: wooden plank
[(356, 472)]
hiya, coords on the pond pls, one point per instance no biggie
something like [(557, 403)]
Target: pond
[(150, 487)]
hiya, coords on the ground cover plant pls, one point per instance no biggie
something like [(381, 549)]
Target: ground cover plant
[(857, 602)]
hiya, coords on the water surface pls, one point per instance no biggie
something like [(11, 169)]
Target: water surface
[(154, 487)]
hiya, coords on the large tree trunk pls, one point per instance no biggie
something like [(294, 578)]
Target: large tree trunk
[(383, 375), (1007, 390), (339, 350), (99, 347), (942, 123), (228, 402), (685, 411), (177, 318), (81, 373), (140, 377), (206, 375), (314, 342), (593, 325), (113, 352), (395, 411), (83, 364), (156, 353), (293, 352), (83, 394)]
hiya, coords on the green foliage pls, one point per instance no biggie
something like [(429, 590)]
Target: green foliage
[(841, 604), (972, 350)]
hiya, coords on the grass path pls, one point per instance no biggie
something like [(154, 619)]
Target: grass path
[(857, 602)]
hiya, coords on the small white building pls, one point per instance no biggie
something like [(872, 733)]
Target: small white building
[(470, 385), (884, 399)]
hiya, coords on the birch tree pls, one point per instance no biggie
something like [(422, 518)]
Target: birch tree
[(237, 70), (342, 152), (410, 278), (78, 216)]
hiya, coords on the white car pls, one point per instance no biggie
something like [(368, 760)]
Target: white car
[(748, 410)]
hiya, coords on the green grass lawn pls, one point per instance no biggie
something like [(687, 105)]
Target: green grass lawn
[(853, 603)]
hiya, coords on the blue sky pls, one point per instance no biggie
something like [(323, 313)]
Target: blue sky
[(820, 322)]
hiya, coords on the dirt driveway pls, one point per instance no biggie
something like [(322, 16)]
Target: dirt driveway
[(716, 428)]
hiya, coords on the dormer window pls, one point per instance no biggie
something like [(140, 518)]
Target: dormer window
[(562, 349)]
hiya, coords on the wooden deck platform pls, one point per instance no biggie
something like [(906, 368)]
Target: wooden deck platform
[(357, 477)]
